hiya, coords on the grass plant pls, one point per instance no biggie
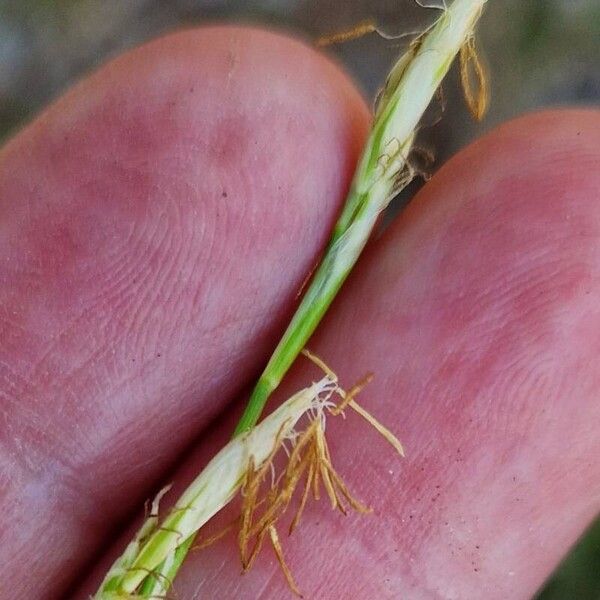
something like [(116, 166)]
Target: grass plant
[(150, 562)]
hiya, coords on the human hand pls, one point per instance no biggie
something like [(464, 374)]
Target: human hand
[(156, 225)]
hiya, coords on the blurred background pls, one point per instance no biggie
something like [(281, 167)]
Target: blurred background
[(539, 52)]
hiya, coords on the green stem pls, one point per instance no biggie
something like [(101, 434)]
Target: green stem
[(157, 586), (341, 255), (408, 92)]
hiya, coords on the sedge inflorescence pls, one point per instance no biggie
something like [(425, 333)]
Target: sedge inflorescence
[(152, 559)]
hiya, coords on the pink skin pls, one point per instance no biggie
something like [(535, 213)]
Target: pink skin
[(146, 222), (477, 311)]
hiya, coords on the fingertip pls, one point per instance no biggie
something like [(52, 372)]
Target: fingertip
[(535, 145), (156, 225), (534, 171)]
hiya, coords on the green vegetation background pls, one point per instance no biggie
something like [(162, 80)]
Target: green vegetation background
[(540, 52)]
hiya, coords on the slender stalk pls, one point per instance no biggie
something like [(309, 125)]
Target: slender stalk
[(381, 172), (151, 561)]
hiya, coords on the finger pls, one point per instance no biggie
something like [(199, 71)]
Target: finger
[(478, 314), (145, 226)]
